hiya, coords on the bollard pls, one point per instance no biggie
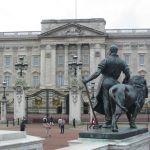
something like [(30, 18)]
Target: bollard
[(13, 122), (7, 123), (18, 121), (87, 127)]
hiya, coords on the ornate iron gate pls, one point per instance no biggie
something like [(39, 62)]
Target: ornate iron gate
[(47, 101)]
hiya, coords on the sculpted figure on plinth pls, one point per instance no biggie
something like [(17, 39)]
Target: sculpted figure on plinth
[(111, 68)]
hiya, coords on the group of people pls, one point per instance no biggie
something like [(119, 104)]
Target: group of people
[(49, 122)]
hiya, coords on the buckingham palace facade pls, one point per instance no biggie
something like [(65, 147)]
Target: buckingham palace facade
[(49, 51)]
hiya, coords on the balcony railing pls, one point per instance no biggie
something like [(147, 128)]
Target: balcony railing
[(128, 31), (19, 34)]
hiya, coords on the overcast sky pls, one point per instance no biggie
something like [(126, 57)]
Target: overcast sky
[(26, 15)]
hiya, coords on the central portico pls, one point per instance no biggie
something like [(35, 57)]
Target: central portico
[(60, 40)]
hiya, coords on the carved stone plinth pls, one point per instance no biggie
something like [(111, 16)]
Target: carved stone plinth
[(126, 139), (105, 133)]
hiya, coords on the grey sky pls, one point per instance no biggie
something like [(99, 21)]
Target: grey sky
[(26, 15)]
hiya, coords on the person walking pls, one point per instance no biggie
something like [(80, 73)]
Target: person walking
[(74, 123), (62, 126), (92, 123), (110, 68), (59, 122), (22, 125), (51, 121), (46, 126)]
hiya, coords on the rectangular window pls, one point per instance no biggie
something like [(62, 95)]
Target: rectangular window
[(35, 60), (86, 60), (60, 60), (141, 59), (7, 79), (127, 58), (36, 81), (60, 80), (7, 61)]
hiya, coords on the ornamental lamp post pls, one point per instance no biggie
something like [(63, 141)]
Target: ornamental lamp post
[(75, 92), (74, 65), (3, 103), (21, 66)]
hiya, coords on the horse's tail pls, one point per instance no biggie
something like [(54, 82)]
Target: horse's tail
[(112, 92)]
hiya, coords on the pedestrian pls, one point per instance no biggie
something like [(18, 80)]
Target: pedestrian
[(110, 68), (22, 125), (46, 126), (59, 122), (74, 123), (92, 123), (62, 126), (51, 121)]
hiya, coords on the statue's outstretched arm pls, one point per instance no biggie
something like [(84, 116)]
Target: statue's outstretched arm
[(92, 77)]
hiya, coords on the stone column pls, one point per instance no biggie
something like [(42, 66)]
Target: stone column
[(92, 59), (53, 66), (42, 67), (79, 60), (66, 67), (79, 52), (48, 67), (102, 51)]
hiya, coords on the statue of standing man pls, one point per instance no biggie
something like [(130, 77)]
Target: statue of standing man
[(110, 68)]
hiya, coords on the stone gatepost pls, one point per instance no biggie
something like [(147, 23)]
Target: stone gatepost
[(19, 100), (75, 91)]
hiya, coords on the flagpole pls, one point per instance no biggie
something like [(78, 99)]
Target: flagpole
[(75, 9)]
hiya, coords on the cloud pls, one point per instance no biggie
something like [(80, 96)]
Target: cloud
[(24, 15)]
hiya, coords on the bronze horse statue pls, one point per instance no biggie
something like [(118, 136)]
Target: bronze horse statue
[(128, 98)]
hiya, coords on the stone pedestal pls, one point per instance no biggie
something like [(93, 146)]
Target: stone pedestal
[(74, 107), (75, 91), (137, 139), (19, 103), (3, 111), (17, 140)]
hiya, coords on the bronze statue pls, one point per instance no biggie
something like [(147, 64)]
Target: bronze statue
[(129, 98), (110, 68)]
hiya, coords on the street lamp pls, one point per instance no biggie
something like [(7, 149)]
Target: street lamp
[(4, 87), (21, 66), (74, 65)]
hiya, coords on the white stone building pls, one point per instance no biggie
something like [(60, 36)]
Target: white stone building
[(49, 51)]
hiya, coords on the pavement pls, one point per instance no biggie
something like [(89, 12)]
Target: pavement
[(53, 142), (56, 140)]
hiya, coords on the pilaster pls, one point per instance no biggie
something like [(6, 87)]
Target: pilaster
[(66, 67), (92, 58), (42, 69), (53, 66)]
